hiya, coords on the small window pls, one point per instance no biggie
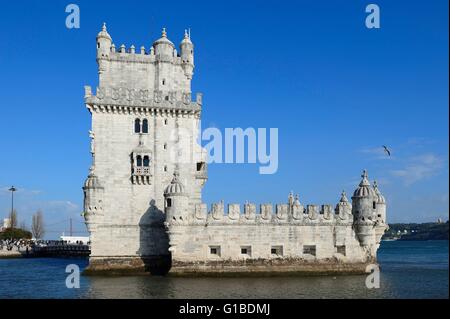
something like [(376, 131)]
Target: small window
[(146, 161), (165, 146), (340, 250), (169, 202), (200, 166), (165, 121), (165, 168), (98, 45), (167, 98), (139, 161), (246, 250), (309, 250), (277, 250), (145, 126), (164, 82), (214, 250), (137, 126), (374, 204)]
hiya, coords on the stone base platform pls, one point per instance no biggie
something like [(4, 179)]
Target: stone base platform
[(162, 265)]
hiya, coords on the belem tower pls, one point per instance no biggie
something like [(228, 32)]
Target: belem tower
[(144, 211)]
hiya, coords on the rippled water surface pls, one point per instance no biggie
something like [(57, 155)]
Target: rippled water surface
[(409, 270)]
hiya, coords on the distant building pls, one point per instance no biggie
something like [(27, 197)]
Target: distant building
[(6, 224)]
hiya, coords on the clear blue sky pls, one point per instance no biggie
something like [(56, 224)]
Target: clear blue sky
[(336, 90)]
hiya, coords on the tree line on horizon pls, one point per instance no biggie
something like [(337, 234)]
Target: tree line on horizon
[(14, 231)]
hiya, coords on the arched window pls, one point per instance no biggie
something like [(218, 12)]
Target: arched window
[(165, 122), (146, 161), (137, 126), (374, 205), (145, 126), (169, 202), (139, 161)]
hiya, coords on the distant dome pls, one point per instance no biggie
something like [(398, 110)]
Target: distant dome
[(92, 181), (175, 186), (364, 189), (104, 33), (163, 39)]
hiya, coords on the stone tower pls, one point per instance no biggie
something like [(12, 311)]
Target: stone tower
[(144, 124), (369, 212)]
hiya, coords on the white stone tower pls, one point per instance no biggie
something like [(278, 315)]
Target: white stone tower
[(144, 125), (369, 212)]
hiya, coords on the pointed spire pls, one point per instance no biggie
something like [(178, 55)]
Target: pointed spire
[(365, 179), (344, 197), (104, 27), (186, 34), (164, 33)]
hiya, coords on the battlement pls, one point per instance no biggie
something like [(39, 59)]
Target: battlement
[(269, 214), (141, 55), (116, 98)]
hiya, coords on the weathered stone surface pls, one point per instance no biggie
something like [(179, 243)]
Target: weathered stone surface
[(143, 205)]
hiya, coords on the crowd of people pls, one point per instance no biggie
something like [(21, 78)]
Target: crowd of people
[(15, 244), (26, 244)]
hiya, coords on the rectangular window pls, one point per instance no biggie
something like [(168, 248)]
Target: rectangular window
[(277, 250), (340, 250), (246, 250), (214, 250), (309, 250), (200, 166)]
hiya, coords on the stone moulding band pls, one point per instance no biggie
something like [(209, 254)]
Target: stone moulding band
[(142, 110)]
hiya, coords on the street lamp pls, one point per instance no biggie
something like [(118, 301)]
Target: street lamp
[(12, 190)]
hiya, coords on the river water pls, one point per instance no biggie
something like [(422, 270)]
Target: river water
[(416, 269)]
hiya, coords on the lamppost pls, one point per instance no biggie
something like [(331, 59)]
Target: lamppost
[(12, 190)]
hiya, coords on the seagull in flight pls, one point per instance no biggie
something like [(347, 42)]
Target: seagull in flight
[(386, 150)]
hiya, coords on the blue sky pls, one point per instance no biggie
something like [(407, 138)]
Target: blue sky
[(336, 91)]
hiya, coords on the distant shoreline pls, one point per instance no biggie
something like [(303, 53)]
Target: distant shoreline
[(417, 232)]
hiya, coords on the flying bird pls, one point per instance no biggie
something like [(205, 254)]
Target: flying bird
[(387, 151)]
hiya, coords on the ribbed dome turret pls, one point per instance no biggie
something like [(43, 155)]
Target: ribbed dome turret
[(104, 33), (175, 187), (92, 181), (163, 39), (364, 189), (380, 197), (186, 39)]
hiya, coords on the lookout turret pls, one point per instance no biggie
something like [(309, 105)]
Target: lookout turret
[(187, 54)]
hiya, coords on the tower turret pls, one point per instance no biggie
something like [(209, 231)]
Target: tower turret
[(93, 201), (104, 42), (364, 202), (176, 201), (380, 224), (163, 47), (187, 55)]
